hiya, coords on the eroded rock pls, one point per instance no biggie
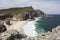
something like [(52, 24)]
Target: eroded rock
[(12, 35), (17, 36), (30, 14), (2, 28)]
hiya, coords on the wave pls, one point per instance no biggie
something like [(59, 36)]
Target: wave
[(29, 27)]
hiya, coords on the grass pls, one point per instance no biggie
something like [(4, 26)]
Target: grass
[(15, 10)]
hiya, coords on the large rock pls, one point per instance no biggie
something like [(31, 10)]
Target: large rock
[(2, 28)]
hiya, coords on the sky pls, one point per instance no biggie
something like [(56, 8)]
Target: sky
[(47, 6)]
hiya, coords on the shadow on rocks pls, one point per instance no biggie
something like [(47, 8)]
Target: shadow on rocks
[(17, 36), (2, 28)]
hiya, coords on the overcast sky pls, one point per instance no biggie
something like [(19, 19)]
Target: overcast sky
[(48, 6)]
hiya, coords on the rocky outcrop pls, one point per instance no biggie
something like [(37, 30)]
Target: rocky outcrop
[(2, 28), (15, 35), (7, 21), (12, 35), (5, 16), (30, 14)]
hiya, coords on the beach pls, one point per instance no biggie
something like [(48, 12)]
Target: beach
[(16, 25)]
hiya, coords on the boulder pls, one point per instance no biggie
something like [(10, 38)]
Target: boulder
[(2, 28)]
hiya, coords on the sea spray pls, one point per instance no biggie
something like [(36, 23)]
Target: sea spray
[(29, 27)]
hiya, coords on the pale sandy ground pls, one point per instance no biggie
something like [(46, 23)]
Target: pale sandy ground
[(16, 25)]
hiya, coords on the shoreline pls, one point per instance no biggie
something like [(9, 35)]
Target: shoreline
[(16, 25), (55, 34)]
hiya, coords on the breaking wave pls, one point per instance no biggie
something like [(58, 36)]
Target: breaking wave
[(30, 27)]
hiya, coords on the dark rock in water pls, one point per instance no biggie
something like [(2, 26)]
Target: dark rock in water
[(2, 28), (17, 36)]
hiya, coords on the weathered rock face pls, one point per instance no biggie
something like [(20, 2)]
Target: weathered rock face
[(4, 16), (17, 36), (2, 28), (7, 21), (12, 35), (30, 14)]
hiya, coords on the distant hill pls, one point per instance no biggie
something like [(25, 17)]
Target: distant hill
[(22, 13), (16, 10)]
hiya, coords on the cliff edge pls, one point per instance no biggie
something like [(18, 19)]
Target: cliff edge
[(22, 13)]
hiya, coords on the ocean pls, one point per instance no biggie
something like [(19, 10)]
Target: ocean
[(41, 24)]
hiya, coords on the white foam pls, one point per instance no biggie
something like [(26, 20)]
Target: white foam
[(29, 28)]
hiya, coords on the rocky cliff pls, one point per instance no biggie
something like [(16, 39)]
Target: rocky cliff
[(22, 13), (30, 14)]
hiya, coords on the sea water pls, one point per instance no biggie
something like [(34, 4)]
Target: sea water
[(46, 24), (41, 25)]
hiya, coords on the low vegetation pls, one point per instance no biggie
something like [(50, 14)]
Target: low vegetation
[(15, 10)]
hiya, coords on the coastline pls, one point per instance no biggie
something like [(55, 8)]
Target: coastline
[(16, 25)]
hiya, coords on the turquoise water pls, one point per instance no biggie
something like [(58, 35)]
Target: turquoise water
[(41, 25), (46, 24)]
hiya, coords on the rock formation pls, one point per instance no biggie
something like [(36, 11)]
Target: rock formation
[(15, 35), (12, 35), (30, 14), (5, 16), (2, 28)]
